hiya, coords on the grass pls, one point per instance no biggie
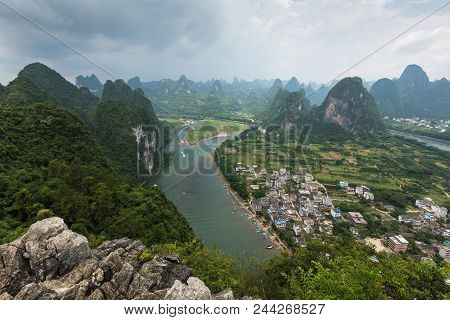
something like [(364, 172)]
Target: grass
[(210, 128), (397, 169)]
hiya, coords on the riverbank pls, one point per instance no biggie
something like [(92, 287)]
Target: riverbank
[(218, 135), (433, 142), (206, 129), (251, 214), (418, 135)]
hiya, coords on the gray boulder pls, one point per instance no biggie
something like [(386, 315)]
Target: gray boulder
[(195, 289), (52, 262)]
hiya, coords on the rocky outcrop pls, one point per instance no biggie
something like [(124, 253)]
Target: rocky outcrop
[(351, 107), (52, 262)]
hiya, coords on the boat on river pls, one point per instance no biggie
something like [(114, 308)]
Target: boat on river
[(269, 247)]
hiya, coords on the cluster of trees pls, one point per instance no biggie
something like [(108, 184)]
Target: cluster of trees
[(237, 181), (329, 268), (341, 268)]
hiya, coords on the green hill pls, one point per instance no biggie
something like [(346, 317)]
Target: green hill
[(64, 92), (413, 95), (292, 85), (387, 98), (23, 91), (285, 109), (90, 82), (121, 110), (351, 107), (51, 164)]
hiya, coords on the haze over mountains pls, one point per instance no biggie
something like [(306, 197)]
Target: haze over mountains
[(413, 95), (67, 153)]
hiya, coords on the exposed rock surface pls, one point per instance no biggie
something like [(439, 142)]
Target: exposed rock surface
[(52, 262), (351, 107)]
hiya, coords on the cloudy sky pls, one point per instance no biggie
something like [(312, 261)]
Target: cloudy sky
[(314, 40)]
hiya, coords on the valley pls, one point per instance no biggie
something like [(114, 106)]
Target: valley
[(252, 185)]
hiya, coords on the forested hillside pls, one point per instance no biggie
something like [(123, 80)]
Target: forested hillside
[(65, 93), (121, 111), (51, 164)]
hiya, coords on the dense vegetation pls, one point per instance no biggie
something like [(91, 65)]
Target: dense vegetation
[(331, 268), (285, 109), (65, 93), (227, 168), (340, 268), (120, 110), (52, 165)]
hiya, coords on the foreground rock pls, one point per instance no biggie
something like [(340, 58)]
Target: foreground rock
[(52, 262)]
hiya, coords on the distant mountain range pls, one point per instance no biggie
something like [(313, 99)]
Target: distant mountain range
[(348, 107), (90, 82), (413, 95)]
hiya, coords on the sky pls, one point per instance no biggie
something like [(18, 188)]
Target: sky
[(266, 39)]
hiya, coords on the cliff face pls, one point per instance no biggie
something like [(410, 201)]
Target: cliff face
[(52, 262), (350, 106)]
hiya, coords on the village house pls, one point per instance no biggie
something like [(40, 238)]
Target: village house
[(336, 213), (369, 196), (351, 191), (398, 243), (405, 219), (427, 205), (444, 252), (360, 190), (357, 219)]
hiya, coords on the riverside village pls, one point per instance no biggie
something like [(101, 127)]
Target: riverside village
[(296, 206)]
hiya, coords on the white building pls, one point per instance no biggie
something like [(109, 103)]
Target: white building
[(359, 191), (343, 184), (439, 212), (369, 196)]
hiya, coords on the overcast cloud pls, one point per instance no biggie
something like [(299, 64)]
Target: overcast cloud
[(313, 40)]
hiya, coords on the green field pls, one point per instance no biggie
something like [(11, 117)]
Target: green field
[(396, 169), (209, 128)]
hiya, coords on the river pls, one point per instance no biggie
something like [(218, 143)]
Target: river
[(440, 144), (192, 184)]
